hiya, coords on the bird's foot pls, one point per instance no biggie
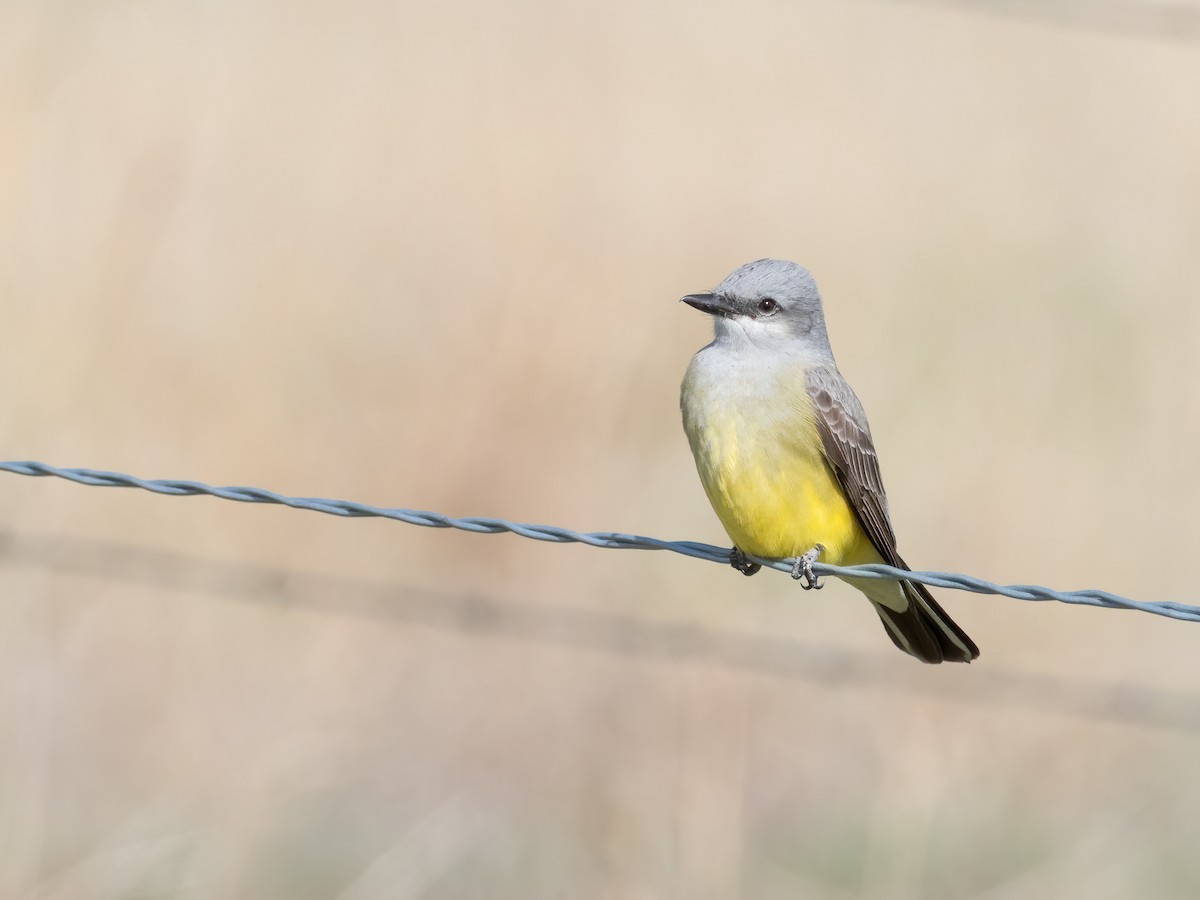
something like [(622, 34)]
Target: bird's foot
[(802, 568), (738, 560)]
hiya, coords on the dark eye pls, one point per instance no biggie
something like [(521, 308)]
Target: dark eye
[(766, 306)]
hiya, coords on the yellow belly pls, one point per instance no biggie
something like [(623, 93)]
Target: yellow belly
[(766, 476)]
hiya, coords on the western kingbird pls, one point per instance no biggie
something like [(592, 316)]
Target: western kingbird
[(785, 454)]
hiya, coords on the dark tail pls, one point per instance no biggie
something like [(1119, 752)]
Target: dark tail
[(924, 630)]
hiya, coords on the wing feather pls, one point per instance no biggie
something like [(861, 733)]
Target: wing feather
[(923, 629), (846, 439)]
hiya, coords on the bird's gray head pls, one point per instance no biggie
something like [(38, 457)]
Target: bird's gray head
[(767, 303)]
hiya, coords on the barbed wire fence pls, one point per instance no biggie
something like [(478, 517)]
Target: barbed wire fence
[(608, 632), (603, 539)]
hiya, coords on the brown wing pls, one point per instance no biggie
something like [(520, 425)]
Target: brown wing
[(846, 437), (923, 629)]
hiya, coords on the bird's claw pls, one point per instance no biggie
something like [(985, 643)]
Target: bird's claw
[(738, 560), (802, 568)]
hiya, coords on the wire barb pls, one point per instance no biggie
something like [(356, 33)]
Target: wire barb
[(607, 539)]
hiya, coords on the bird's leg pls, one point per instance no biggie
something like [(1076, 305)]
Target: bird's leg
[(738, 560), (802, 568)]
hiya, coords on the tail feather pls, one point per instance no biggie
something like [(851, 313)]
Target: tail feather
[(924, 630)]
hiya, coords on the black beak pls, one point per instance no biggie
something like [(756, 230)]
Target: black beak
[(713, 304)]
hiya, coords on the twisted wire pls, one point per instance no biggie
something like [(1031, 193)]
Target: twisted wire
[(606, 539)]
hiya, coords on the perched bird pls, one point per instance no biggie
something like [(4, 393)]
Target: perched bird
[(784, 451)]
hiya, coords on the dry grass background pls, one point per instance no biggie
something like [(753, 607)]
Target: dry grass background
[(428, 255)]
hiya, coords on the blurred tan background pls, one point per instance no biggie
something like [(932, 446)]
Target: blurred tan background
[(429, 255)]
